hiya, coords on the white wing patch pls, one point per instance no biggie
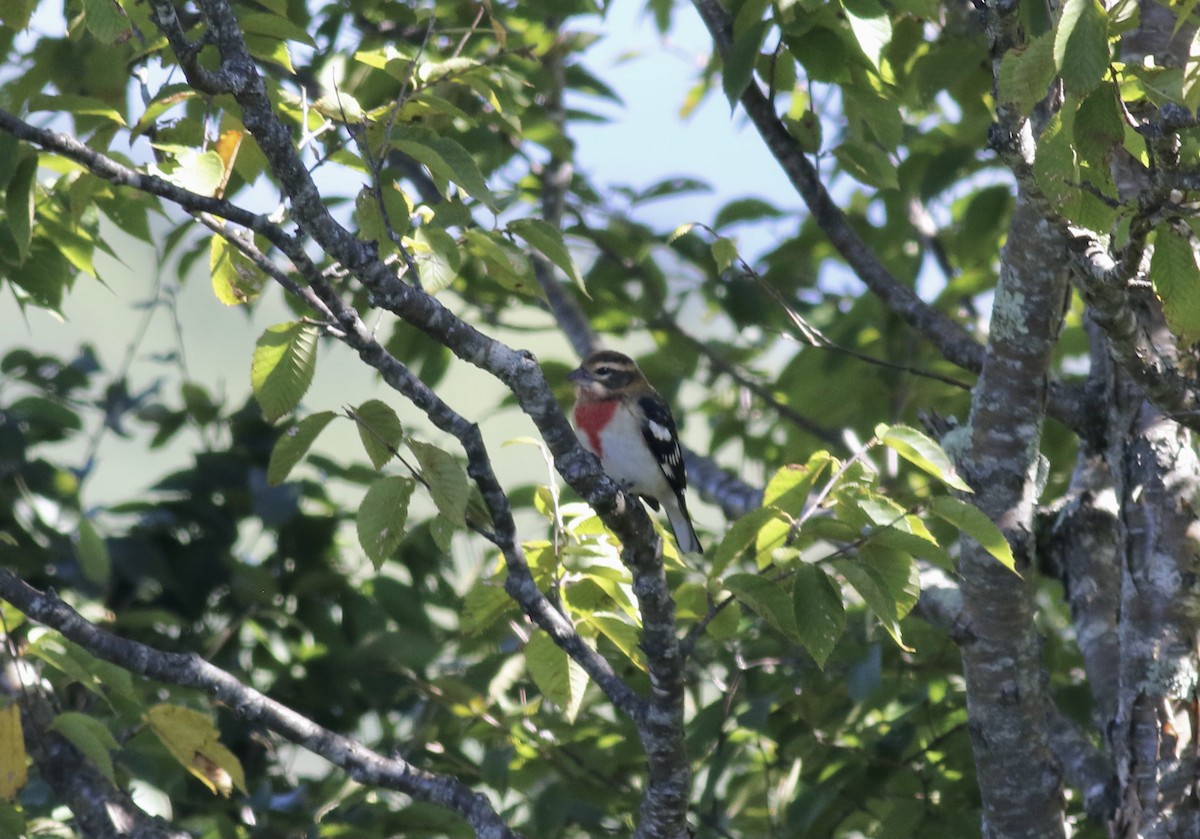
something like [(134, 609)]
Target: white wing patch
[(660, 431)]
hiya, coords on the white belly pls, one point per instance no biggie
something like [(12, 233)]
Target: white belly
[(626, 458)]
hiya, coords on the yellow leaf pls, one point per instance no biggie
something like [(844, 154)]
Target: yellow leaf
[(13, 773), (226, 147), (194, 741)]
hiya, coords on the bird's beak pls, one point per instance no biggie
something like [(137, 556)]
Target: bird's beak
[(579, 376)]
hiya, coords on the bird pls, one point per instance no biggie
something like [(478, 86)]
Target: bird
[(623, 421)]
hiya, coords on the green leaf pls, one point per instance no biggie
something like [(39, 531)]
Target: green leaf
[(557, 676), (447, 159), (745, 210), (371, 223), (273, 26), (791, 485), (806, 129), (741, 535), (788, 491), (1176, 279), (820, 615), (166, 98), (971, 520), (485, 603), (898, 572), (1191, 69), (739, 62), (293, 445), (14, 773), (15, 14), (1025, 75), (94, 559), (1098, 130), (446, 479), (916, 542), (1081, 51), (868, 164), (724, 252), (91, 737), (285, 358), (379, 429), (500, 263), (106, 20), (767, 599), (871, 27), (19, 202), (382, 516), (549, 240), (921, 452), (78, 105), (624, 636), (201, 172), (875, 593), (437, 256)]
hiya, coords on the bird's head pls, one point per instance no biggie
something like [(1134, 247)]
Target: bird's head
[(603, 375)]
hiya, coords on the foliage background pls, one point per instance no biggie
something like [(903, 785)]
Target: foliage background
[(802, 689)]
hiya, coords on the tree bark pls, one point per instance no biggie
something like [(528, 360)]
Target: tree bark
[(1019, 779)]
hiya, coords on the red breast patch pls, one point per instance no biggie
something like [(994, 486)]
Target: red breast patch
[(591, 418)]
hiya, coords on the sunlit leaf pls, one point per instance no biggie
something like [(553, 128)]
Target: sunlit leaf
[(556, 674), (13, 772), (742, 535), (285, 358), (970, 520), (235, 279), (194, 741), (922, 452)]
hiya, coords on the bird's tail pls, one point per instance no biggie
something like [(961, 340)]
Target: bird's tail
[(681, 526)]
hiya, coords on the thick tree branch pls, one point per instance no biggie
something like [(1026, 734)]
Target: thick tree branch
[(1019, 780), (1158, 487), (1114, 283), (190, 670)]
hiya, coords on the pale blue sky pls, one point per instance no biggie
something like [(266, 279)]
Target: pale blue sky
[(647, 141)]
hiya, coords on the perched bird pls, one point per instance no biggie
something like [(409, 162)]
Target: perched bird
[(622, 420)]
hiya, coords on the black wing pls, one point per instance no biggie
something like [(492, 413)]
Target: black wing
[(659, 432)]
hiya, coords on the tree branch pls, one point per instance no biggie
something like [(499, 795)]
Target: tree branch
[(954, 343), (190, 670), (664, 807), (1019, 779)]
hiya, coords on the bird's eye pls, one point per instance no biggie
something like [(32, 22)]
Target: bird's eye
[(603, 371)]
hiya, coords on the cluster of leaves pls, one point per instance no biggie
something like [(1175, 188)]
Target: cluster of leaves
[(805, 719)]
